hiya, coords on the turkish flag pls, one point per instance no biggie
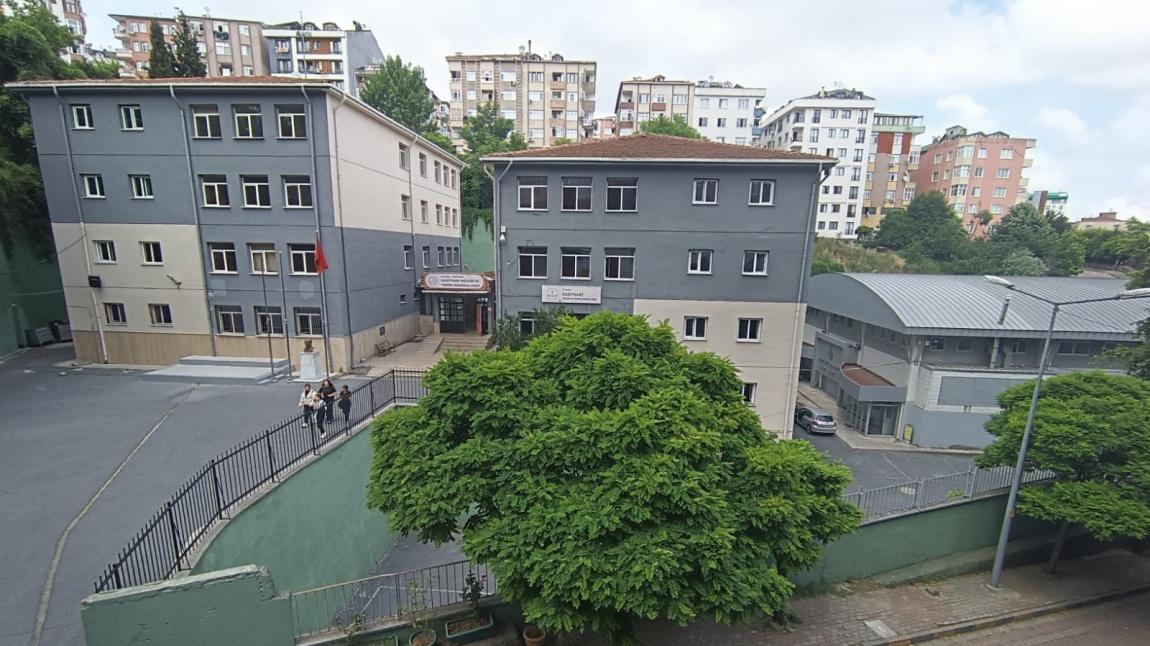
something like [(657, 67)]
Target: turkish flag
[(320, 259)]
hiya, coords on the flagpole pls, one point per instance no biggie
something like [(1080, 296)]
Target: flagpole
[(268, 327), (284, 315), (323, 303)]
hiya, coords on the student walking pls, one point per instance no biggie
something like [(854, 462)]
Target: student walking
[(327, 391), (306, 399), (317, 405), (345, 405)]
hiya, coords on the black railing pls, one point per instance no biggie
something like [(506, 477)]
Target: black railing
[(162, 547)]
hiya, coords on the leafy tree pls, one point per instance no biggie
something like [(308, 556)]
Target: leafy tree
[(1022, 263), (1024, 227), (1136, 358), (607, 474), (676, 126), (399, 90), (1093, 430), (441, 140), (864, 234), (927, 229), (161, 60), (485, 133), (824, 266), (561, 141), (509, 334), (847, 256), (188, 63)]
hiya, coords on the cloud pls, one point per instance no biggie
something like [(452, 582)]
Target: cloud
[(1127, 209), (964, 110), (1048, 172), (1065, 122)]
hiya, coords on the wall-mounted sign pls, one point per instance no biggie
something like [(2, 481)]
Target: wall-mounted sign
[(572, 294), (455, 282)]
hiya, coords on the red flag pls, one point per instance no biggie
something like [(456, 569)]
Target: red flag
[(320, 259)]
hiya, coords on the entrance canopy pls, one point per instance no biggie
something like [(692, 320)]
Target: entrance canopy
[(457, 283)]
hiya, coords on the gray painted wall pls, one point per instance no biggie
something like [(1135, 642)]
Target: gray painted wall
[(937, 429)]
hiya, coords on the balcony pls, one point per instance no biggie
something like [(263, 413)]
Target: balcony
[(626, 105), (558, 85), (124, 54), (659, 107), (1027, 163), (558, 104), (626, 124)]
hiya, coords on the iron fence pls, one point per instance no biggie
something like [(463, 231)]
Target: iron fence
[(162, 547)]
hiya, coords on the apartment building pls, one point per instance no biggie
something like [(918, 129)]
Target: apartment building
[(720, 111), (836, 123), (893, 157), (977, 172), (548, 97), (604, 127), (713, 238), (1106, 221), (1050, 201), (324, 51), (70, 13), (924, 357), (229, 47), (238, 217)]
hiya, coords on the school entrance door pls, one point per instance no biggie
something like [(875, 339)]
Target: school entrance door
[(451, 315)]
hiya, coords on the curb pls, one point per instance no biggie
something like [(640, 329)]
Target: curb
[(993, 621)]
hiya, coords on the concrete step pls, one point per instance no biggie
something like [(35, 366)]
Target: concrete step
[(211, 374), (463, 343), (248, 362)]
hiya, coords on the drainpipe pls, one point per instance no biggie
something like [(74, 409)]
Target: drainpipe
[(339, 225), (495, 220), (83, 227), (800, 309), (196, 218), (318, 233)]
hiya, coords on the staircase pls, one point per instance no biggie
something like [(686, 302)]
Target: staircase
[(464, 342)]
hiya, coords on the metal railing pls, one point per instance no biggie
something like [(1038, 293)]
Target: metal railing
[(940, 490), (385, 596), (162, 547)]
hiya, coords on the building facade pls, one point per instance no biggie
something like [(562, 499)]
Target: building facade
[(548, 97), (604, 128), (924, 357), (1106, 221), (1050, 201), (195, 218), (229, 47), (307, 50), (640, 100), (720, 111), (977, 172), (714, 239), (70, 13), (892, 160), (836, 123)]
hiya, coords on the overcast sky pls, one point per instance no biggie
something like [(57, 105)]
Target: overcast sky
[(1074, 75)]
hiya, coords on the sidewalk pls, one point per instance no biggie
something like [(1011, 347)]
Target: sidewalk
[(413, 355), (876, 615)]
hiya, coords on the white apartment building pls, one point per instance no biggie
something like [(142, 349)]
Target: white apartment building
[(721, 111), (836, 123), (324, 52), (548, 97)]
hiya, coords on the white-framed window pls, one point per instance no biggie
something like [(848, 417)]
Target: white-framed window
[(455, 218), (1002, 173), (982, 153), (706, 191), (622, 194), (223, 257), (229, 319), (999, 191), (762, 192), (297, 192), (996, 209), (152, 253), (93, 186), (740, 141), (423, 211), (972, 208), (131, 117), (744, 104), (576, 263), (302, 258), (533, 262), (426, 256), (265, 261), (438, 172), (907, 194), (403, 156), (695, 328), (422, 165), (749, 391), (141, 187), (405, 207), (81, 116), (721, 122), (532, 193), (833, 226), (440, 257), (1006, 153), (934, 176), (576, 194), (755, 263), (408, 256), (979, 171), (215, 191), (619, 263), (699, 261), (453, 178), (702, 122), (292, 122), (965, 152), (439, 210), (205, 122), (257, 191), (269, 320), (160, 313), (750, 330), (722, 104), (249, 121), (115, 314), (507, 77), (105, 251)]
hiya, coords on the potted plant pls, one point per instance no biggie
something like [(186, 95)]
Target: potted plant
[(416, 613), (534, 635), (475, 625)]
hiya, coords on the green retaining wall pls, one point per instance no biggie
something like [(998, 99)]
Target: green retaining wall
[(30, 293), (312, 530), (478, 249)]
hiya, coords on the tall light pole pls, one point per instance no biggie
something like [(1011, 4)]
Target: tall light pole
[(1016, 480)]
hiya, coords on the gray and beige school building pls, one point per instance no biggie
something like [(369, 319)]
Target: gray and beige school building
[(187, 213)]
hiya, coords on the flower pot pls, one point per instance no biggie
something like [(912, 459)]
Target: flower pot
[(425, 637), (469, 628), (534, 635)]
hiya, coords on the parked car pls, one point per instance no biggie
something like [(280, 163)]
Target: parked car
[(815, 420)]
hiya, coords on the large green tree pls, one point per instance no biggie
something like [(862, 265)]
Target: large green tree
[(399, 90), (606, 474), (1093, 430), (189, 62), (1023, 228), (1136, 358), (161, 60), (485, 133), (676, 125), (927, 229)]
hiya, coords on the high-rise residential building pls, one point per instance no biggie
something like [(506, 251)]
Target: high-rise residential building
[(604, 127), (977, 172), (311, 51), (548, 97), (715, 239), (1050, 201), (229, 47), (720, 111), (836, 123), (70, 13), (893, 157), (198, 218)]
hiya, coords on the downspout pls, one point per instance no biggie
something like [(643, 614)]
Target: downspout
[(318, 234), (339, 226), (800, 309), (83, 227), (495, 219), (196, 219)]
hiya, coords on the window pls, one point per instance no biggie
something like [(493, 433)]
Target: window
[(105, 251), (996, 209), (822, 225), (440, 258), (302, 258), (1074, 347), (205, 122), (453, 178), (1003, 173), (749, 330), (403, 155), (722, 104), (706, 191), (965, 344), (215, 191), (269, 320), (533, 262), (284, 66), (644, 97), (249, 121), (934, 176), (679, 99), (131, 117), (833, 226), (405, 207), (982, 153), (950, 155), (999, 191), (532, 193), (81, 117), (978, 171), (972, 208), (292, 121), (619, 264), (229, 319), (115, 314), (576, 194), (257, 191), (422, 165), (152, 253), (408, 253), (704, 102), (455, 218), (741, 122), (754, 263), (439, 214), (534, 77), (749, 392), (223, 257), (264, 259), (1006, 153), (141, 187), (93, 186), (907, 194), (699, 261), (721, 122), (740, 141), (744, 104), (965, 152), (853, 193), (695, 328), (426, 257), (160, 313), (622, 194), (576, 263), (702, 122), (423, 211), (297, 192), (438, 172)]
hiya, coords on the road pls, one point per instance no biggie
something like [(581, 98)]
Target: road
[(1117, 623)]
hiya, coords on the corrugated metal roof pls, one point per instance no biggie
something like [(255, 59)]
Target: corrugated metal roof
[(927, 302)]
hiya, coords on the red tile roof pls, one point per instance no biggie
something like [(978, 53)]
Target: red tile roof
[(862, 376), (649, 146)]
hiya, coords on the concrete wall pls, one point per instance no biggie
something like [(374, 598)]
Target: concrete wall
[(946, 429), (29, 293)]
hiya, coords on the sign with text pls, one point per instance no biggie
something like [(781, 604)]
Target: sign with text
[(455, 282), (572, 294)]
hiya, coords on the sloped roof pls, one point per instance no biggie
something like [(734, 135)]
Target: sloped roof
[(205, 81), (650, 147)]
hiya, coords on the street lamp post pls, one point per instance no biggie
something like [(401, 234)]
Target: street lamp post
[(1016, 480)]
